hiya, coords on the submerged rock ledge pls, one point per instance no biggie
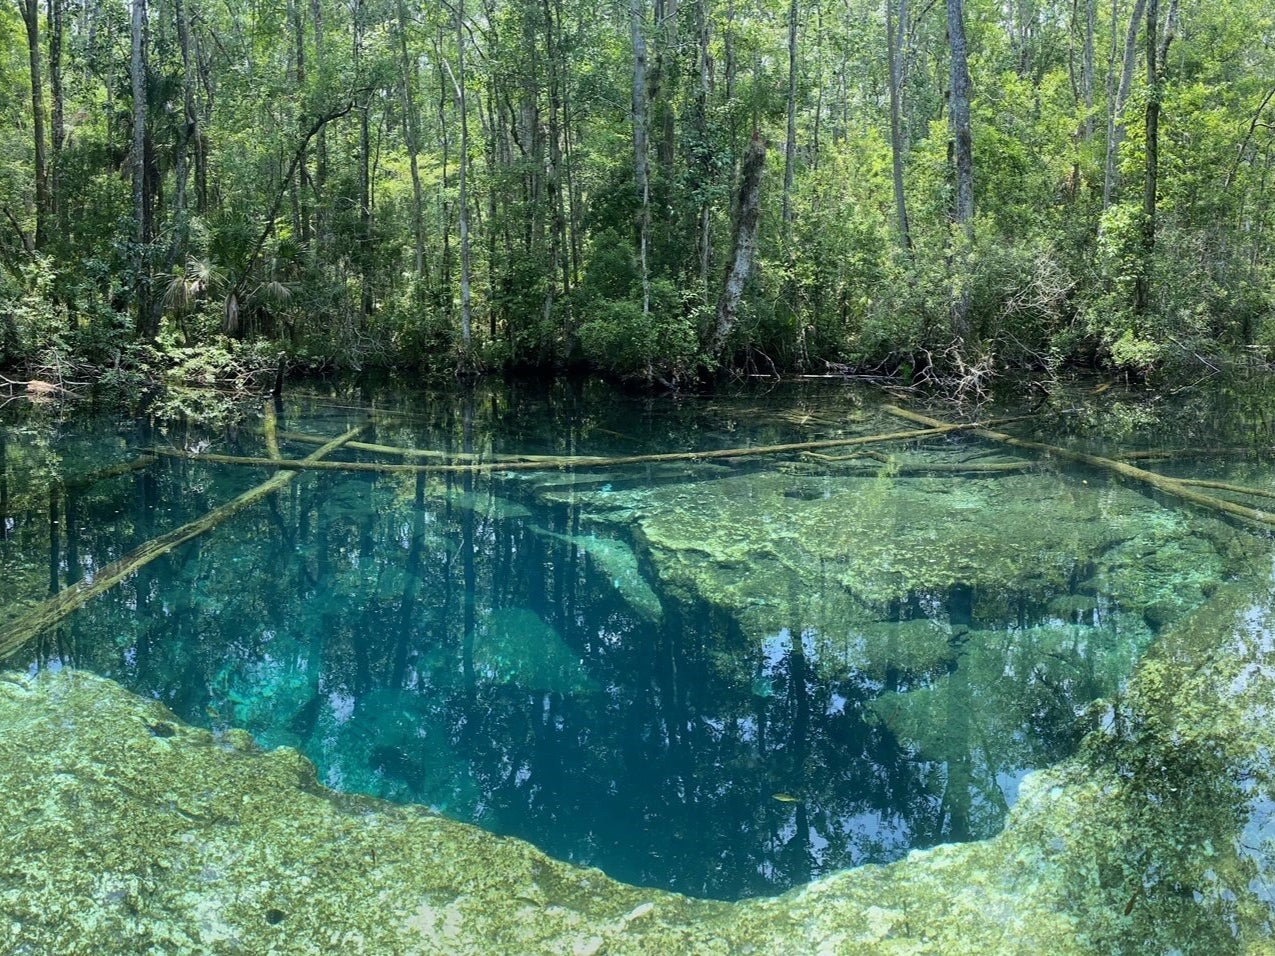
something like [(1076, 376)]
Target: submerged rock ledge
[(124, 830)]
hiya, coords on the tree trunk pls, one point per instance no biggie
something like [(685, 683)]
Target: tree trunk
[(702, 152), (364, 182), (745, 245), (189, 126), (963, 208), (466, 284), (57, 203), (790, 146), (641, 147), (1087, 67), (1156, 55), (894, 43), (319, 180), (141, 194), (411, 136), (1115, 110), (31, 17), (301, 184)]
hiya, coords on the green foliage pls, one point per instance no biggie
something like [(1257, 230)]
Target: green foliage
[(325, 263)]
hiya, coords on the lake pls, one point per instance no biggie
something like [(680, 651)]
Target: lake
[(722, 676)]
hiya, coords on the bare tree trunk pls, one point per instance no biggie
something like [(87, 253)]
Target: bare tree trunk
[(894, 42), (641, 147), (189, 125), (57, 203), (963, 210), (666, 72), (301, 185), (790, 147), (319, 180), (703, 165), (31, 17), (558, 258), (137, 163), (466, 306), (745, 245), (444, 207), (411, 134), (364, 182), (1156, 55), (1087, 67), (1115, 111)]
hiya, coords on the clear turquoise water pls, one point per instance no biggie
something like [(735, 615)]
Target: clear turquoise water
[(540, 653)]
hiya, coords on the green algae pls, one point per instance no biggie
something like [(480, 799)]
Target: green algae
[(124, 830)]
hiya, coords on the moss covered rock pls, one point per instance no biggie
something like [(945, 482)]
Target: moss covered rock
[(122, 830)]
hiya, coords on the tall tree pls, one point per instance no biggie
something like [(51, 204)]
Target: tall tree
[(1157, 55), (147, 317), (895, 29), (790, 145), (408, 76), (58, 114), (1118, 95), (963, 149), (745, 245), (31, 18), (641, 144)]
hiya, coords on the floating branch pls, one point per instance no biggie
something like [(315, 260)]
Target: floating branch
[(50, 612), (1224, 486), (1170, 486), (1159, 454), (543, 464), (922, 467), (420, 453)]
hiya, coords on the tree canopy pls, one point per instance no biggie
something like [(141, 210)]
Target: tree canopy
[(653, 188)]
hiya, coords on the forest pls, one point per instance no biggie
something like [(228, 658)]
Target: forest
[(660, 190)]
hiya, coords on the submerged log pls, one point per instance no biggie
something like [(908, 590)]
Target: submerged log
[(420, 453), (56, 608), (1170, 486), (923, 467), (1159, 454), (1227, 486), (548, 462)]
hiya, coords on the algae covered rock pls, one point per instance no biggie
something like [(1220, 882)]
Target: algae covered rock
[(122, 830)]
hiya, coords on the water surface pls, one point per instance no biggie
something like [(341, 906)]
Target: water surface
[(724, 677)]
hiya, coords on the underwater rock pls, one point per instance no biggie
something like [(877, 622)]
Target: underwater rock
[(516, 646), (776, 549), (489, 505), (1156, 837), (619, 562)]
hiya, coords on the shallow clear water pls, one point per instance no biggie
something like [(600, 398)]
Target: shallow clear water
[(723, 677)]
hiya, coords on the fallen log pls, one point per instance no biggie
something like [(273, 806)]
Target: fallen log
[(544, 464), (420, 453), (1159, 454), (1170, 486), (50, 612), (1226, 486), (921, 467)]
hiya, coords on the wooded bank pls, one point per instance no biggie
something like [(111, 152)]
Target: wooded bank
[(655, 189)]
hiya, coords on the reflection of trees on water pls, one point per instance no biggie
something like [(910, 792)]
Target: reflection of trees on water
[(375, 623)]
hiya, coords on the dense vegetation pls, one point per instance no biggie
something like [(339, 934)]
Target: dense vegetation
[(654, 188)]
